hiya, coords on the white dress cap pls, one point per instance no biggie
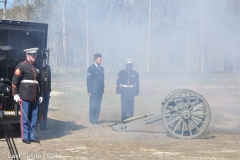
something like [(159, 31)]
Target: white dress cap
[(31, 50), (5, 48), (129, 61)]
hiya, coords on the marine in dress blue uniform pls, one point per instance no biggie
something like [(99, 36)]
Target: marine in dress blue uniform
[(26, 91), (95, 88), (127, 84)]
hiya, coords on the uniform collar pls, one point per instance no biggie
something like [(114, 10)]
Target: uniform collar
[(29, 62), (128, 70), (96, 65)]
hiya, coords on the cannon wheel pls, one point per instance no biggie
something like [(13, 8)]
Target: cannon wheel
[(186, 114)]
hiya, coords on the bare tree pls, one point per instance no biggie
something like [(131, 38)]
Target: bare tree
[(107, 36), (87, 35), (149, 35), (189, 37), (62, 14), (162, 36), (4, 8)]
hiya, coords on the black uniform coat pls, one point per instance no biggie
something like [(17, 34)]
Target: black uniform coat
[(129, 78), (95, 79), (26, 91)]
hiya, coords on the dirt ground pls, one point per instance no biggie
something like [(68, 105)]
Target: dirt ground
[(70, 136)]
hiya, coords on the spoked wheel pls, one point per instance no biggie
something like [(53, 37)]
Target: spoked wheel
[(186, 114)]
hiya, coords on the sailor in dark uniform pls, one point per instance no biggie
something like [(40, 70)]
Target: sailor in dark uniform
[(26, 91), (127, 85), (95, 87)]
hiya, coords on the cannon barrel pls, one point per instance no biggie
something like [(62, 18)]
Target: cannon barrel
[(135, 118)]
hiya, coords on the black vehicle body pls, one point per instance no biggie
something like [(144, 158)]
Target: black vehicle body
[(17, 36)]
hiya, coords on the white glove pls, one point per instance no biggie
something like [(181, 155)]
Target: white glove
[(17, 98), (40, 99)]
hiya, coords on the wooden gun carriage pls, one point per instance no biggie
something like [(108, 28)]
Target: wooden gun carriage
[(185, 114)]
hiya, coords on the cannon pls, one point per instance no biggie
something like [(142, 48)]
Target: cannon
[(185, 114)]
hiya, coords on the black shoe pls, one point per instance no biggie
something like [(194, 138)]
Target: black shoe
[(95, 122), (26, 141), (92, 122), (35, 141)]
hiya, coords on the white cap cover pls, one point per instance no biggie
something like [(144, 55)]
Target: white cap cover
[(31, 50), (128, 61)]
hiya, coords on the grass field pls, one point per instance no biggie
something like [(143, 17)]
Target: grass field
[(70, 136)]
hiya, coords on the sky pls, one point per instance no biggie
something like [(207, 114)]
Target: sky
[(9, 3)]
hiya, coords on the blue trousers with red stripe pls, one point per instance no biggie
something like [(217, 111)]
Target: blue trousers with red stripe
[(29, 117)]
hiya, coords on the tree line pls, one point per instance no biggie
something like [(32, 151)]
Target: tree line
[(160, 35)]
